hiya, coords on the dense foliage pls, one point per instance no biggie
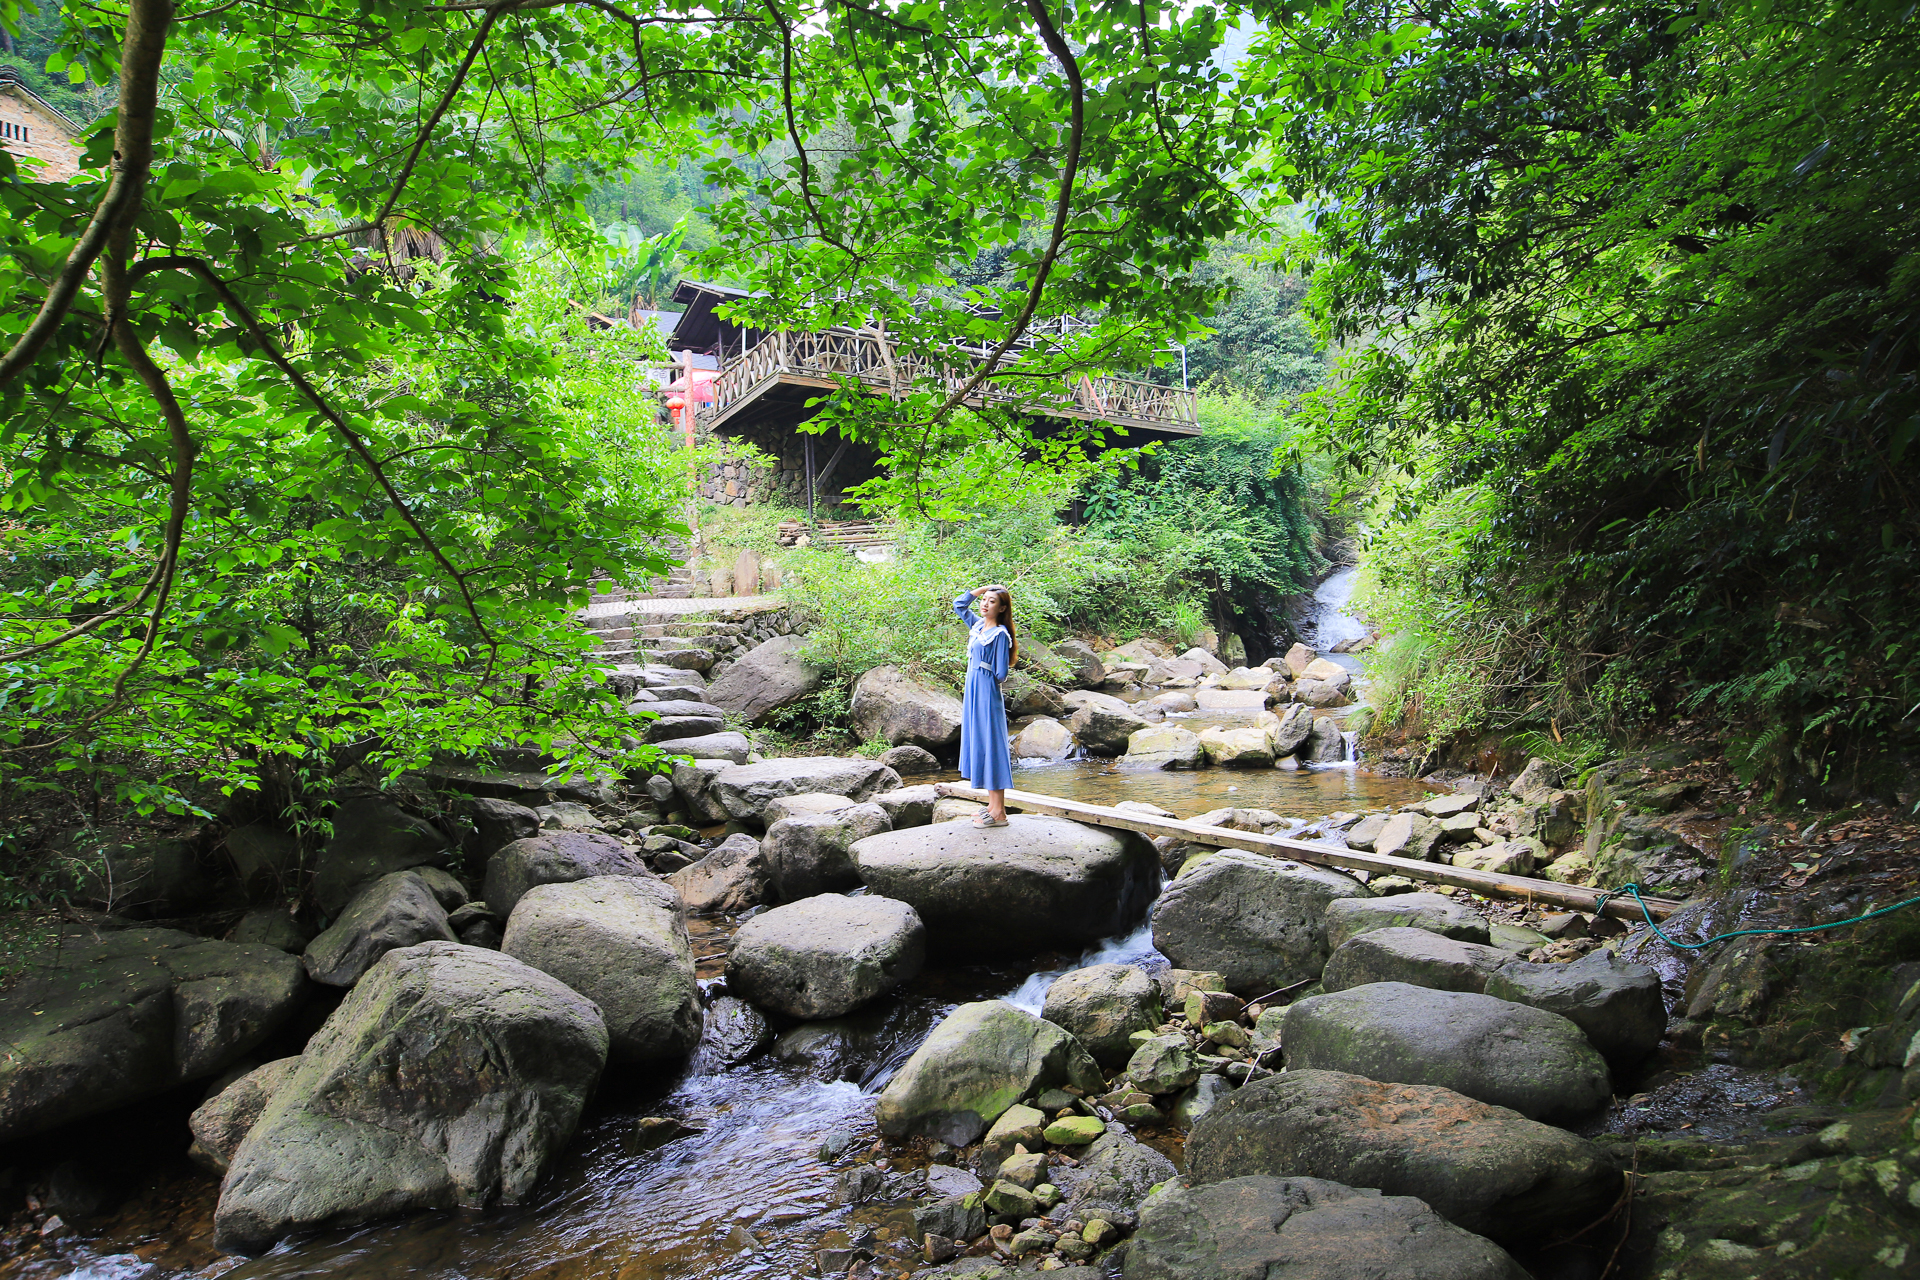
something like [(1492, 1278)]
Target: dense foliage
[(1638, 293)]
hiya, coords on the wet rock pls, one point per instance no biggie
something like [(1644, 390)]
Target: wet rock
[(274, 927), (983, 1058), (1256, 920), (1198, 1101), (1117, 1170), (1103, 724), (732, 747), (1045, 738), (909, 760), (1433, 912), (732, 878), (95, 1020), (621, 942), (823, 956), (1485, 1168), (1237, 748), (734, 1032), (1163, 1064), (1326, 743), (1164, 746), (373, 837), (1509, 858), (895, 708), (398, 910), (950, 1180), (1617, 1003), (1413, 956), (1408, 835), (554, 858), (908, 806), (813, 853), (1035, 882), (1102, 1005), (1304, 1229), (743, 792), (768, 677), (220, 1123), (1287, 730), (1508, 1055), (955, 1216), (449, 1077)]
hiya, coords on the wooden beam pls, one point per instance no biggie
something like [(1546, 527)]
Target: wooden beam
[(1489, 884)]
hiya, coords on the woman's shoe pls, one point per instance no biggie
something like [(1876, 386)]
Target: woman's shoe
[(985, 820)]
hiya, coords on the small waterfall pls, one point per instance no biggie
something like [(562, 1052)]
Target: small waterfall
[(1352, 740), (1328, 623), (1134, 948)]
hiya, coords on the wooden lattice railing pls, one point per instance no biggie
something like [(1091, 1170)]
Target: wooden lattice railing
[(872, 358)]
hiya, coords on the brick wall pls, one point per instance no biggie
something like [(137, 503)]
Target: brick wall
[(31, 132)]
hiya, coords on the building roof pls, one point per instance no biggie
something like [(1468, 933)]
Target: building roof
[(10, 79), (699, 329)]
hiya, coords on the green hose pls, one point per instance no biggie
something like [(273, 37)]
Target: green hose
[(1634, 889)]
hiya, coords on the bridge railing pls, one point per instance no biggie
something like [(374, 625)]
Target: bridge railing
[(876, 362)]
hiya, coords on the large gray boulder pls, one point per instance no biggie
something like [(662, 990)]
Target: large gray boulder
[(554, 858), (892, 706), (1434, 912), (1509, 1055), (1044, 738), (813, 853), (980, 1060), (1287, 729), (1260, 1228), (1409, 835), (731, 747), (731, 878), (498, 823), (827, 955), (1084, 668), (449, 1077), (222, 1122), (1117, 1169), (1485, 1168), (768, 677), (373, 837), (397, 910), (1102, 1005), (908, 806), (1326, 742), (664, 728), (1164, 746), (1244, 748), (1035, 882), (94, 1020), (742, 792), (1255, 919), (1102, 723), (1411, 955), (1617, 1003), (622, 943)]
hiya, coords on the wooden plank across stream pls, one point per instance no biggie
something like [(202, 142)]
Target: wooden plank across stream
[(1571, 897)]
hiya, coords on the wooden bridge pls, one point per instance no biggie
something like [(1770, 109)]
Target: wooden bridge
[(773, 379)]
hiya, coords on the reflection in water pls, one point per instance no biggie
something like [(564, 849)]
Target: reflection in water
[(1305, 793)]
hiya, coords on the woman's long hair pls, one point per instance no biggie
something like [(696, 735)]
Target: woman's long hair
[(1006, 620)]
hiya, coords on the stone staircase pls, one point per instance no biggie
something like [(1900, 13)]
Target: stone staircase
[(690, 644)]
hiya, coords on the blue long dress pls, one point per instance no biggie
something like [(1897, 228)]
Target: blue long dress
[(985, 759)]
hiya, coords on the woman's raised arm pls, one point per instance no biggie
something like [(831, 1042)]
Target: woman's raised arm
[(963, 605)]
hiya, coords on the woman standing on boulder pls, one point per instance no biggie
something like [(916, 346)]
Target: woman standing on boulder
[(985, 759)]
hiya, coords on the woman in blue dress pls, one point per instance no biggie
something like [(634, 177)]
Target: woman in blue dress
[(985, 759)]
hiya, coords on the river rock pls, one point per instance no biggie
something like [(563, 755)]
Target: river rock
[(97, 1019), (1286, 730), (1230, 699), (1084, 667), (980, 1060), (394, 911), (731, 747), (1173, 701), (1043, 739), (1321, 693), (1164, 746), (1118, 1169), (275, 927), (908, 806), (622, 943), (742, 792), (1103, 724), (1617, 1003), (895, 708), (1236, 748), (768, 677), (1208, 664), (665, 728), (1163, 1064), (1506, 1054), (909, 760), (730, 879), (1408, 835), (1102, 1005), (1198, 1102), (824, 956), (734, 1031), (220, 1123), (1254, 919), (954, 809), (373, 837), (1433, 912), (1326, 669), (1035, 882), (498, 823), (1485, 1168), (1325, 744), (814, 853), (449, 1077), (1026, 696), (1413, 956), (666, 707), (1509, 857), (804, 805), (554, 858)]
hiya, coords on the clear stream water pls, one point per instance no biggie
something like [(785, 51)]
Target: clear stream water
[(745, 1195)]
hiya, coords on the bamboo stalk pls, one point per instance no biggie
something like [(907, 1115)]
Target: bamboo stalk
[(1486, 883)]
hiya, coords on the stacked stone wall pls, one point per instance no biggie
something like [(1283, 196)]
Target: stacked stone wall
[(32, 132)]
